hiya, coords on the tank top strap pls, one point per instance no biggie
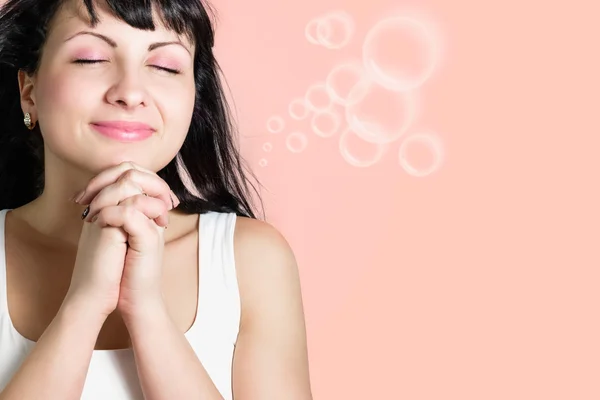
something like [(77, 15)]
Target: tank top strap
[(219, 307)]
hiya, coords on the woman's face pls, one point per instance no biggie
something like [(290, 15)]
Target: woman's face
[(129, 83)]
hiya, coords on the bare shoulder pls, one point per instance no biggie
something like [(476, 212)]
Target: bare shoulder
[(271, 355), (266, 264), (256, 236)]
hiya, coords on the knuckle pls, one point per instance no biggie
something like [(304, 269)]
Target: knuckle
[(128, 164), (122, 185), (122, 178), (125, 185), (129, 175), (129, 211)]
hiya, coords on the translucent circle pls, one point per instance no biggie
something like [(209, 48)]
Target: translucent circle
[(401, 53), (296, 142), (359, 153), (310, 31), (267, 147), (381, 116), (298, 109), (317, 98), (335, 29), (416, 145), (326, 123), (343, 79), (275, 124), (263, 162)]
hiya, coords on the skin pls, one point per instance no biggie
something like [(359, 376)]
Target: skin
[(65, 97), (270, 360)]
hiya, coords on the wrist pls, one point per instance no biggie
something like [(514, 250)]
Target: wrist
[(80, 311), (144, 315), (78, 303)]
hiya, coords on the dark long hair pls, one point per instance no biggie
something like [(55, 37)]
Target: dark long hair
[(209, 155)]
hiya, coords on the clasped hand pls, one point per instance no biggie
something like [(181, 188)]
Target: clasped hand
[(120, 252)]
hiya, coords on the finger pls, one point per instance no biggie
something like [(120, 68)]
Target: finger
[(148, 181), (103, 179), (130, 183), (151, 207), (151, 184), (114, 194), (144, 234)]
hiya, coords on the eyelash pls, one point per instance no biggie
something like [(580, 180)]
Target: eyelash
[(169, 70)]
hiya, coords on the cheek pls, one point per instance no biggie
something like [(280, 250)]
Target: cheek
[(177, 107), (62, 98), (62, 103)]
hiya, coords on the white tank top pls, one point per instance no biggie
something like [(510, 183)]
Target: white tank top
[(112, 373)]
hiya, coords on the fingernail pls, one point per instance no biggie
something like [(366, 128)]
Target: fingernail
[(80, 196), (75, 196), (95, 218), (85, 212)]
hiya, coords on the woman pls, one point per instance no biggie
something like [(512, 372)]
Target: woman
[(114, 126)]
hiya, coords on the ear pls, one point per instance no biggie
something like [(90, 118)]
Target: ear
[(26, 86)]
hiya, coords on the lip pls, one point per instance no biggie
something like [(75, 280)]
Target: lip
[(124, 131)]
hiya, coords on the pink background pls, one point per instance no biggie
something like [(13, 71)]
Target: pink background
[(468, 268), (478, 280)]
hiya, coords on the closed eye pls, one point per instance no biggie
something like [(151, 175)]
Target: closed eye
[(169, 70), (86, 61)]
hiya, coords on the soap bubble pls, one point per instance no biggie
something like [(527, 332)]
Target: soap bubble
[(401, 53), (359, 153), (275, 124), (296, 142), (381, 116), (417, 147)]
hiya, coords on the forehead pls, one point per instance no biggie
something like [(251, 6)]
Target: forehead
[(74, 14)]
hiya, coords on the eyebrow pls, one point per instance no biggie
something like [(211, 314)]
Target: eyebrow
[(113, 44)]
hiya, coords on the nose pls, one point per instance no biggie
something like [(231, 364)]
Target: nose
[(128, 92)]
